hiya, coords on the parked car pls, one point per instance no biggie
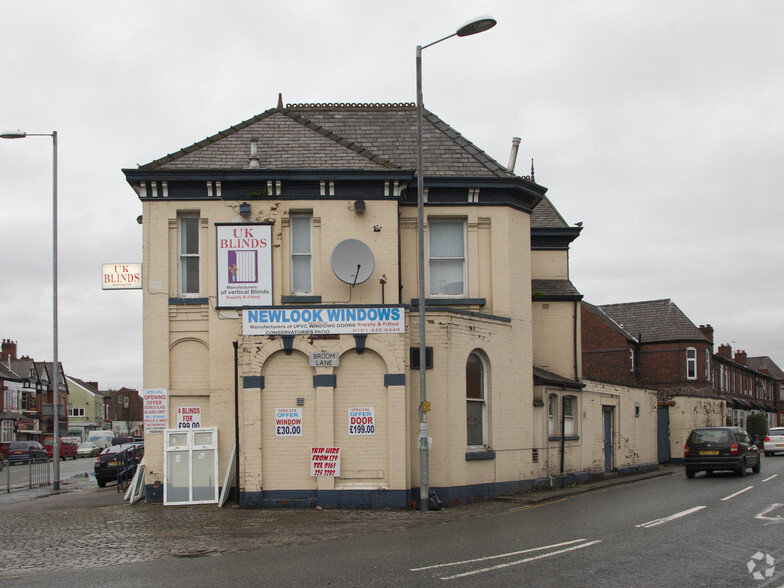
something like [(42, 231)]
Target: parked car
[(774, 441), (116, 460), (26, 452), (712, 449), (87, 449), (67, 448), (122, 440)]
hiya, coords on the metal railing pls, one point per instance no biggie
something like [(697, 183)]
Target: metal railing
[(26, 476)]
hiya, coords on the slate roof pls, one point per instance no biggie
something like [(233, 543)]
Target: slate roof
[(545, 215), (7, 373), (554, 290), (654, 321), (765, 364), (609, 321), (544, 378), (361, 137)]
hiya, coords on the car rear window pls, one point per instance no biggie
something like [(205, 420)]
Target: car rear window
[(710, 436), (18, 446), (776, 432)]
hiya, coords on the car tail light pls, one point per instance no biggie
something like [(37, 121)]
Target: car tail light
[(734, 449), (767, 439), (686, 450)]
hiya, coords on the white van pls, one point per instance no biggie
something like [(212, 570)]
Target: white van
[(102, 439)]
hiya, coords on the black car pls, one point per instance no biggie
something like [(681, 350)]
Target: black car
[(118, 463), (26, 452), (711, 449)]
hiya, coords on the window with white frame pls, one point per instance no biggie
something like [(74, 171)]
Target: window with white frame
[(75, 412), (631, 360), (476, 401), (446, 240), (707, 364), (552, 412), (568, 404), (691, 363), (6, 431), (189, 254), (301, 254)]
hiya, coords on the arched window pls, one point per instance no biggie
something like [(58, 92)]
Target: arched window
[(691, 363), (476, 401)]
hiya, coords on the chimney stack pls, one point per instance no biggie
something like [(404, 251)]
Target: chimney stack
[(740, 357), (9, 350), (725, 351), (707, 330)]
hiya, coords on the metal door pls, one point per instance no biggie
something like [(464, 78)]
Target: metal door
[(607, 414), (663, 434)]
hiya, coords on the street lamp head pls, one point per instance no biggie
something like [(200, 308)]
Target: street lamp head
[(13, 135), (477, 25)]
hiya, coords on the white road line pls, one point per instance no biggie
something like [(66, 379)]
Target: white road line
[(678, 515), (738, 492), (770, 477), (467, 561), (521, 561)]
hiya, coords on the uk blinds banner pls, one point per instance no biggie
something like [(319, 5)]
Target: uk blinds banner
[(244, 265)]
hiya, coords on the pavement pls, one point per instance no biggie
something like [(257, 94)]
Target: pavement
[(83, 526)]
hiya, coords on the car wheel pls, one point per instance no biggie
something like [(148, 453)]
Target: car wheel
[(768, 453), (741, 471), (756, 469), (690, 473), (101, 483)]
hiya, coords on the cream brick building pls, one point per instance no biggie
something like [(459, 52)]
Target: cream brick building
[(280, 294)]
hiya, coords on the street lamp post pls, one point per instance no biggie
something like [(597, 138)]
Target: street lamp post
[(472, 27), (55, 363)]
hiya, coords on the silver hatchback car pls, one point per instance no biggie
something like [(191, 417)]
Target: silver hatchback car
[(774, 441)]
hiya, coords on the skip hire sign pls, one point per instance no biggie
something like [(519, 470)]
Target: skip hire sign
[(323, 321)]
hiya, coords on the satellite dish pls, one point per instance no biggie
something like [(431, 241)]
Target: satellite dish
[(352, 261)]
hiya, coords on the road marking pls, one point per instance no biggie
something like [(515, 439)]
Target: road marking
[(467, 561), (518, 562), (770, 477), (678, 515), (738, 492), (772, 507)]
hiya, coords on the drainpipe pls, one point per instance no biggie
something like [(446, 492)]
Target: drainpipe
[(236, 423), (563, 432)]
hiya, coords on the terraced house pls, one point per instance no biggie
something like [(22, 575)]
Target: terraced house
[(281, 329)]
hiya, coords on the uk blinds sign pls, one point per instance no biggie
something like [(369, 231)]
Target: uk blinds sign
[(244, 265)]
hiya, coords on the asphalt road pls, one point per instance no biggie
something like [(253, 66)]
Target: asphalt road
[(661, 531)]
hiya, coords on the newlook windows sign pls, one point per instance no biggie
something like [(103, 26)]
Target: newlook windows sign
[(244, 265), (323, 321)]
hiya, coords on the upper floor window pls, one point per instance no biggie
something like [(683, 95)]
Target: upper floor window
[(707, 364), (301, 254), (691, 363), (476, 402), (631, 360), (447, 257), (189, 251)]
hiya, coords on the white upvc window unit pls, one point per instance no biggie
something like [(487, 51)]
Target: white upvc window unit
[(476, 401), (190, 466), (447, 262), (189, 253), (691, 363), (301, 254), (631, 361), (7, 431)]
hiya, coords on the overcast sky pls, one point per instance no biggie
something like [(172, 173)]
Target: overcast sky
[(658, 125)]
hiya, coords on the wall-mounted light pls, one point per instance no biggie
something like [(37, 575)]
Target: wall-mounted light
[(140, 219), (244, 209), (359, 206), (377, 228)]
